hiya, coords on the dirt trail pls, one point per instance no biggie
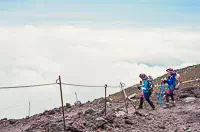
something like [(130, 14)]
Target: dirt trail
[(89, 117)]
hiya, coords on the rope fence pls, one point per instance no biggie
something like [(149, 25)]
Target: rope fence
[(49, 84), (28, 86), (81, 85), (58, 82)]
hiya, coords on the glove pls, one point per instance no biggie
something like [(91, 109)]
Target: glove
[(138, 87), (163, 80)]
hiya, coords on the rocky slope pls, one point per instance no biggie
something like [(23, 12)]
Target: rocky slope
[(90, 117), (188, 73)]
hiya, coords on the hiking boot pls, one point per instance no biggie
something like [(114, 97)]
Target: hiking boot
[(152, 106), (173, 103), (139, 108), (166, 105)]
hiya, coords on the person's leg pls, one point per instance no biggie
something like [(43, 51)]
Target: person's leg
[(172, 92), (147, 97), (150, 93), (172, 97), (141, 101), (150, 103), (167, 97)]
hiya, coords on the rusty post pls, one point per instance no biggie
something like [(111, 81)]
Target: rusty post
[(60, 83), (105, 98), (76, 97), (29, 108), (48, 127), (124, 96)]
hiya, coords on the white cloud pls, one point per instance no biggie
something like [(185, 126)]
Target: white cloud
[(38, 54)]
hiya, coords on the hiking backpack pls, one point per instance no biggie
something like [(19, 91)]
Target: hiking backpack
[(178, 81), (151, 82)]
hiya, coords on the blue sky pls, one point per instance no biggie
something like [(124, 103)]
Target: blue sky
[(123, 12)]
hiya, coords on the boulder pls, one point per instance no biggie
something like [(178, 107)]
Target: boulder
[(109, 100), (73, 129), (132, 96), (4, 119), (100, 122), (127, 121), (162, 126), (78, 103), (56, 109), (77, 125), (51, 112), (189, 99), (110, 118), (90, 111), (187, 129), (68, 105), (12, 121), (80, 113), (120, 113)]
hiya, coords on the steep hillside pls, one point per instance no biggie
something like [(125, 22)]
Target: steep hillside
[(188, 73), (90, 117)]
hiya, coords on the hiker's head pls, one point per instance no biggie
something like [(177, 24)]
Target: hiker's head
[(143, 76), (170, 71)]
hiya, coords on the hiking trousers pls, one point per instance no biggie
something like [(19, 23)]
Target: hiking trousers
[(169, 93), (147, 98)]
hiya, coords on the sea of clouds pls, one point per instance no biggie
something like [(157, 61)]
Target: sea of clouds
[(38, 54)]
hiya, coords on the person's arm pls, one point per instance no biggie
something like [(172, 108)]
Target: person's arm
[(174, 75), (139, 87), (165, 80)]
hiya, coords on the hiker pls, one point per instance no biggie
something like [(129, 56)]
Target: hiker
[(171, 81), (146, 92)]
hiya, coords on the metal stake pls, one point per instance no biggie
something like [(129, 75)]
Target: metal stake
[(124, 96), (29, 108), (60, 83), (105, 98), (76, 97)]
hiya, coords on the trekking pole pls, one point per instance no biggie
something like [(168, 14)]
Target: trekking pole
[(161, 94)]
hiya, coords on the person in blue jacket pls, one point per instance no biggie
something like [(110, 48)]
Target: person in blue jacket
[(146, 92), (171, 81)]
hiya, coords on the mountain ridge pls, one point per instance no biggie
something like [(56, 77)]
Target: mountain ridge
[(90, 116)]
